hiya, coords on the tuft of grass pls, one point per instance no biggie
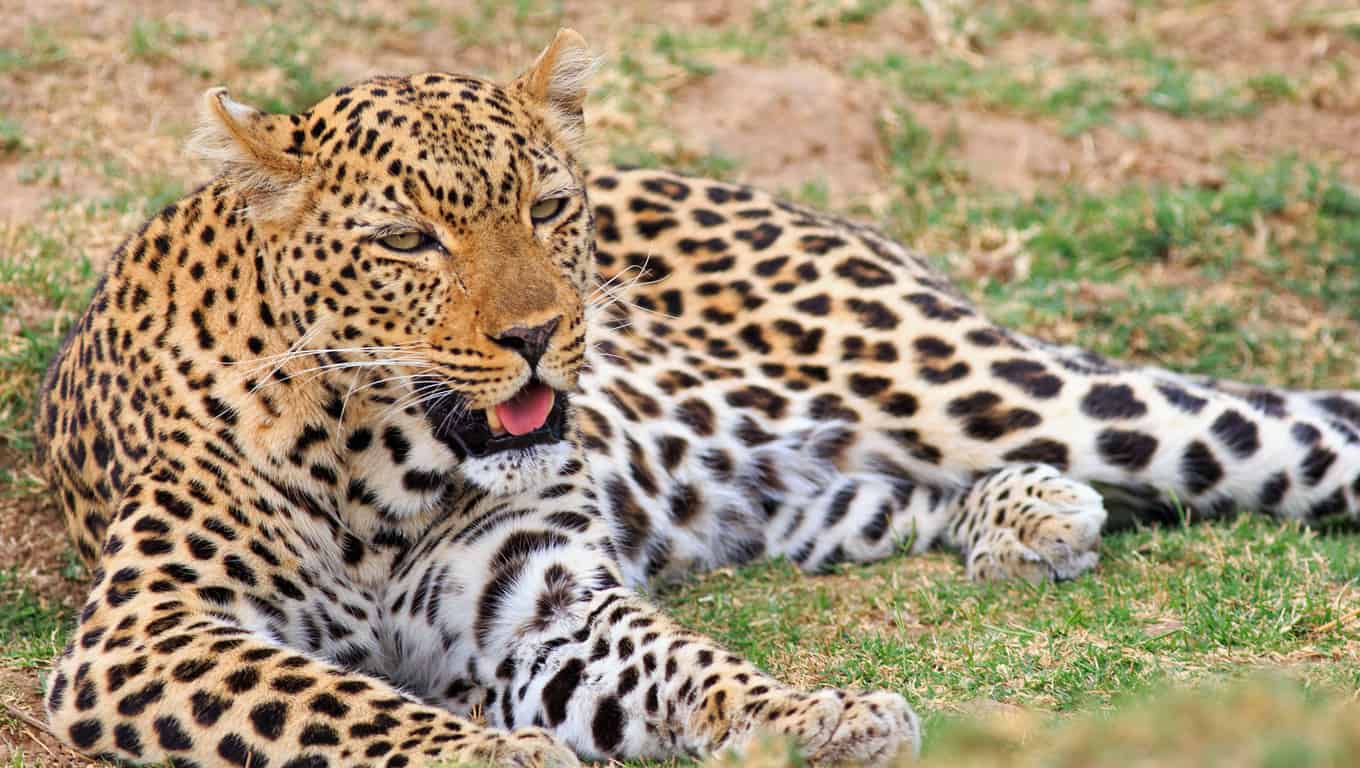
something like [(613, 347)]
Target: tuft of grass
[(290, 51), (996, 22), (494, 21), (1078, 101), (153, 40), (41, 49), (1082, 103), (684, 47), (11, 136), (679, 49), (926, 177), (713, 165), (45, 279), (32, 628), (634, 155), (1272, 86), (147, 194), (861, 11), (1182, 93)]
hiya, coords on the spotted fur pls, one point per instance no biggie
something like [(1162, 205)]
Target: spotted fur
[(261, 433)]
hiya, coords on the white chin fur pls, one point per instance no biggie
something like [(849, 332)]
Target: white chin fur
[(515, 471)]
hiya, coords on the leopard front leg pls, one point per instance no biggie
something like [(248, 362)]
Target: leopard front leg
[(522, 612), (186, 652), (637, 685), (1027, 521)]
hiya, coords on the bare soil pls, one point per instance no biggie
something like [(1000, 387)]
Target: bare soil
[(785, 126), (23, 732)]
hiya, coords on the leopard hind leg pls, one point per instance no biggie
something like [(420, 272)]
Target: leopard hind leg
[(859, 518), (1024, 521)]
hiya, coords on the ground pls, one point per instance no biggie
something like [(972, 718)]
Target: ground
[(1174, 184)]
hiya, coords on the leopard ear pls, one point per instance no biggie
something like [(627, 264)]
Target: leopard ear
[(557, 81), (254, 149)]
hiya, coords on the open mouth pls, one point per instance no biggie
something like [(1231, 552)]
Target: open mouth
[(535, 415)]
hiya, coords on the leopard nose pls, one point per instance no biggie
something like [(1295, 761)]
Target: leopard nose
[(529, 342)]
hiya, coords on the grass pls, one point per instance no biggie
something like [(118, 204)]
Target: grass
[(11, 136), (1165, 606), (32, 629), (1252, 271), (1288, 227), (1263, 721), (152, 39), (1266, 722), (1204, 607), (146, 194), (295, 53), (1209, 236), (1080, 99), (40, 49), (46, 279)]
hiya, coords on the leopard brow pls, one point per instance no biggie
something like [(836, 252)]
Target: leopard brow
[(558, 186), (376, 230)]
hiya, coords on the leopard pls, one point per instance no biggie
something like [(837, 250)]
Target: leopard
[(376, 443)]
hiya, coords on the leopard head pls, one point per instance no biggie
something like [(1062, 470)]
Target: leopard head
[(432, 231)]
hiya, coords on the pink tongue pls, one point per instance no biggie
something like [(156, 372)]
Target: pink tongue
[(527, 410)]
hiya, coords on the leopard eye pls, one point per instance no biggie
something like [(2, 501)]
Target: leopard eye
[(406, 241), (546, 209)]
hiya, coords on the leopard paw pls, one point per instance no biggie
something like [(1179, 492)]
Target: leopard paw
[(834, 727), (1039, 526), (871, 728), (521, 748)]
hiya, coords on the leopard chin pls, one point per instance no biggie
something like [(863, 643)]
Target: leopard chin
[(516, 470)]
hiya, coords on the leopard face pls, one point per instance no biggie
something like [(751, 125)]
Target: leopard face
[(432, 231)]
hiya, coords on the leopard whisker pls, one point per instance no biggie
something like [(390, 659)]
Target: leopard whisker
[(292, 349), (315, 353), (418, 394), (353, 390), (318, 370), (607, 294), (296, 350)]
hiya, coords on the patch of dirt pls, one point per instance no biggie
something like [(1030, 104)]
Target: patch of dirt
[(1250, 36), (1229, 41), (1004, 153), (685, 13), (785, 126), (818, 34), (1021, 156), (24, 737), (1176, 150), (21, 201)]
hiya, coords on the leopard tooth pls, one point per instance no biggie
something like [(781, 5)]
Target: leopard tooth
[(494, 420)]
